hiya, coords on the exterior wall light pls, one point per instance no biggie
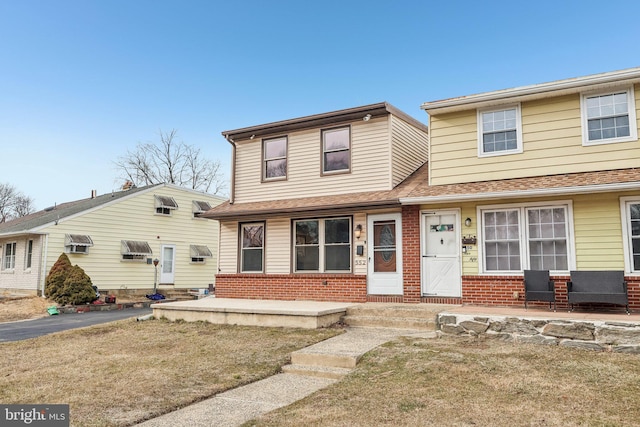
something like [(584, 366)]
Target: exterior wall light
[(358, 231), (467, 222)]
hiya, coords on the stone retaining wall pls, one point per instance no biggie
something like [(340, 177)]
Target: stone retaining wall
[(623, 337)]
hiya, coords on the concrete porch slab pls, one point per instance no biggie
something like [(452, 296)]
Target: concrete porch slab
[(246, 312)]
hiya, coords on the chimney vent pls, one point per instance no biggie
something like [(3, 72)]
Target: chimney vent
[(94, 193), (127, 185)]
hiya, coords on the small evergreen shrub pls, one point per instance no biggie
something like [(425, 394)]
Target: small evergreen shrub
[(67, 284)]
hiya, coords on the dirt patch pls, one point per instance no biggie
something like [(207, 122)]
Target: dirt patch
[(32, 307)]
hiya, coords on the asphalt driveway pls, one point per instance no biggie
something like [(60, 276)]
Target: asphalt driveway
[(22, 330)]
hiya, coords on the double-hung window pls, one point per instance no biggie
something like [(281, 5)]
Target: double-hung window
[(9, 258), (499, 131), (275, 158), (322, 245), (525, 238), (252, 252), (28, 255), (631, 224), (336, 150), (609, 117)]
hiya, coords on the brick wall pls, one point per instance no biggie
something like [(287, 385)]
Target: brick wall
[(500, 291), (317, 287), (411, 253)]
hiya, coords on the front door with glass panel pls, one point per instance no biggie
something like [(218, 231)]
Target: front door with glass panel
[(167, 264), (384, 243), (441, 254)]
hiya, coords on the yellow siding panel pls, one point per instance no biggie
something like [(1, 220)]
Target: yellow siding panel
[(552, 144), (278, 246), (228, 247), (134, 218)]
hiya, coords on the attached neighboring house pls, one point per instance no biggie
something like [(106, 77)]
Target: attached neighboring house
[(345, 206), (304, 194), (115, 237)]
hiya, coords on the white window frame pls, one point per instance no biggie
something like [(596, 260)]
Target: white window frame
[(242, 248), (28, 254), (524, 234), (322, 245), (631, 111), (9, 260), (626, 234), (518, 149)]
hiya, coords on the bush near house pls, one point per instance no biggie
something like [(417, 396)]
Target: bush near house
[(67, 284)]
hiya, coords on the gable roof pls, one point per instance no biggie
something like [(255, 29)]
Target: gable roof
[(55, 213), (536, 91), (320, 120)]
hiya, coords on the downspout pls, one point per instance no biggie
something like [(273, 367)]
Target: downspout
[(43, 264), (232, 190)]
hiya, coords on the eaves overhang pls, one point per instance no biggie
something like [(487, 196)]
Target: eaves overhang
[(338, 209), (538, 91), (319, 120), (543, 192)]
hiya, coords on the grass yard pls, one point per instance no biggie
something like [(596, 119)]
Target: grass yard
[(124, 372), (31, 307), (462, 382)]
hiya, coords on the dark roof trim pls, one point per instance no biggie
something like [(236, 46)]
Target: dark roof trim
[(321, 120), (304, 210)]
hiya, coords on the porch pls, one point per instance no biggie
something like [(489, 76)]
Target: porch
[(601, 330)]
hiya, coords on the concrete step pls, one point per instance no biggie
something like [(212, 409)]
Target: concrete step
[(422, 324), (316, 371), (416, 311)]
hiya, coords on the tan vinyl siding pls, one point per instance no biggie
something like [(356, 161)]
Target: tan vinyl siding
[(135, 219), (552, 144), (370, 165), (360, 218), (228, 255), (278, 241), (409, 149)]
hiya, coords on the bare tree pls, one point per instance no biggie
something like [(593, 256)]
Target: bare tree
[(13, 204), (171, 161)]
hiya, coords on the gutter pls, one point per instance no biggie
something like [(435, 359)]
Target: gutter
[(600, 188), (232, 184)]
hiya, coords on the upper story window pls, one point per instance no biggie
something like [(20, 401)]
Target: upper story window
[(252, 253), (499, 131), (165, 204), (609, 117), (9, 258), (274, 152), (336, 150)]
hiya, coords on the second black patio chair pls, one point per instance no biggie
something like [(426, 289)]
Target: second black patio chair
[(539, 287)]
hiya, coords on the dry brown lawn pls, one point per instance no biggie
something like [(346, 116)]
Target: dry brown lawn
[(458, 382), (24, 308), (124, 372)]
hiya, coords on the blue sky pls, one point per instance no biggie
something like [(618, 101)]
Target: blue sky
[(83, 81)]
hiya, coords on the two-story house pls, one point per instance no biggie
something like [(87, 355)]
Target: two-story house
[(541, 177), (368, 204), (115, 238), (314, 211)]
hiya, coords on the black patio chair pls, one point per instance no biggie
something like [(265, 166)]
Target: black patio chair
[(538, 287)]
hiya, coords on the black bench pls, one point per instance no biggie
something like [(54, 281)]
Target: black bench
[(607, 287)]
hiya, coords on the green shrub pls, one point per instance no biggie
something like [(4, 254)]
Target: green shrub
[(67, 284), (56, 277)]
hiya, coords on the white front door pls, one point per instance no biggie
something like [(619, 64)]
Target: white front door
[(441, 254), (167, 264), (384, 253)]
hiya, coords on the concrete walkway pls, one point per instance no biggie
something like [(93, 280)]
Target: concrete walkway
[(234, 407)]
